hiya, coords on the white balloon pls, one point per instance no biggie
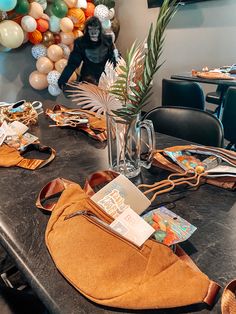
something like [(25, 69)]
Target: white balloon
[(39, 51), (11, 34), (66, 50), (53, 77), (54, 89), (28, 23), (43, 3), (102, 12), (106, 24), (81, 4)]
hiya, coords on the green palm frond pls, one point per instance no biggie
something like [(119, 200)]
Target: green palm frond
[(135, 96), (125, 86)]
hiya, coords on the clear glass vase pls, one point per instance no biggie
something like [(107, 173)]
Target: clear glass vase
[(124, 144)]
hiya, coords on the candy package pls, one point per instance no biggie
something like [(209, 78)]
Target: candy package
[(169, 227)]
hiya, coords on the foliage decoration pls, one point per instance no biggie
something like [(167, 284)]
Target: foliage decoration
[(134, 92)]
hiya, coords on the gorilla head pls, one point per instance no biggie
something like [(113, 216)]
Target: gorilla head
[(93, 29)]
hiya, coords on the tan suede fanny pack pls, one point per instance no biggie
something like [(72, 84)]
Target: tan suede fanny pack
[(109, 269), (160, 159), (10, 157)]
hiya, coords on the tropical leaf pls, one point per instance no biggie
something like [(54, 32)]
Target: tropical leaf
[(111, 74), (92, 97), (131, 72), (135, 83)]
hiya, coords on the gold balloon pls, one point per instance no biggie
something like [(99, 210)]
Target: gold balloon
[(60, 65), (115, 26), (55, 53), (66, 25), (73, 77), (38, 80), (71, 3), (44, 65), (48, 39), (77, 33), (36, 10), (67, 38)]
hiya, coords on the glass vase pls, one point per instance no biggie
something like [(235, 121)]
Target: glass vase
[(124, 144)]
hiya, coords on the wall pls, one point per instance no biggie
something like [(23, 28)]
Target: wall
[(201, 34)]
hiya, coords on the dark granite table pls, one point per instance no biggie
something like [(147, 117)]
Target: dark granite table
[(187, 76), (22, 225)]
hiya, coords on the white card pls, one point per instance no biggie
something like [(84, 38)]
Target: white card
[(120, 194), (18, 128), (131, 226), (2, 136)]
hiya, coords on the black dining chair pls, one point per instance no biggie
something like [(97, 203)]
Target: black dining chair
[(229, 117), (182, 94), (217, 98), (190, 124)]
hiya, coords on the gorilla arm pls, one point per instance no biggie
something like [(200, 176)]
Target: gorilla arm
[(73, 63)]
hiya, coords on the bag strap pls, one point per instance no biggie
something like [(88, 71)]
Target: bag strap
[(98, 178), (33, 164), (213, 288), (51, 189)]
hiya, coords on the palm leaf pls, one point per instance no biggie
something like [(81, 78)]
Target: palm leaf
[(92, 97), (144, 69)]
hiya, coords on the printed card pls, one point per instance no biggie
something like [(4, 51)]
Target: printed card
[(18, 128), (121, 194), (131, 226), (27, 139), (2, 136)]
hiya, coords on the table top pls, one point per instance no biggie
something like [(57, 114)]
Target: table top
[(22, 226), (187, 76)]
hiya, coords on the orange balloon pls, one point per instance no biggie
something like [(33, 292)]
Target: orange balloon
[(42, 25), (54, 53), (70, 3), (35, 10), (90, 9), (67, 38), (35, 37), (66, 25), (60, 65), (77, 33), (73, 77), (77, 16), (38, 80), (44, 65)]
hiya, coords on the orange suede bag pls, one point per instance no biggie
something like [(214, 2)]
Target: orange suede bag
[(161, 160), (10, 157), (109, 269), (95, 127)]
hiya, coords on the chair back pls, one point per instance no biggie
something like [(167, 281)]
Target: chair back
[(182, 94), (189, 124), (229, 115)]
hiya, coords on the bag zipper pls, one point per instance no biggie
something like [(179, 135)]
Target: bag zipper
[(90, 216)]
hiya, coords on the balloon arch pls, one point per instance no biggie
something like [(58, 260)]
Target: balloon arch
[(51, 26)]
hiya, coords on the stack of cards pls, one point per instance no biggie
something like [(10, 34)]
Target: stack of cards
[(122, 200)]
